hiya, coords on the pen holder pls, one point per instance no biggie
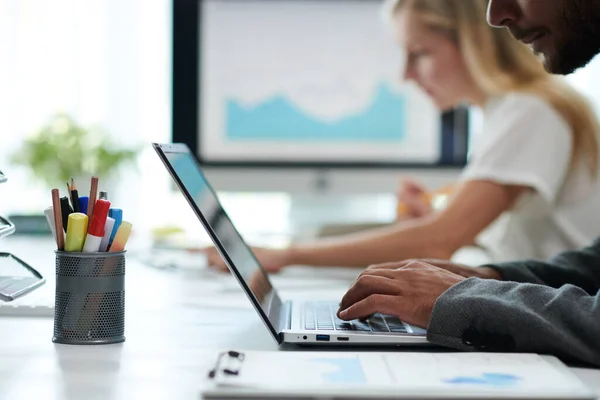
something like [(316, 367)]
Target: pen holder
[(90, 298)]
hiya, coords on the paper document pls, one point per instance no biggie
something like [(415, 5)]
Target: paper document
[(437, 375)]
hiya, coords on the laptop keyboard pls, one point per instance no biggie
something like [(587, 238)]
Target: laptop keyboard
[(322, 316)]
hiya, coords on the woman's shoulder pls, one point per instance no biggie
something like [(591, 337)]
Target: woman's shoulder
[(523, 119), (519, 103), (520, 109)]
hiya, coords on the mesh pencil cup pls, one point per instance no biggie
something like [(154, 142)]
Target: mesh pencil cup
[(89, 306)]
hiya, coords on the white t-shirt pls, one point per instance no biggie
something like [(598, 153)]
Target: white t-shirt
[(525, 141)]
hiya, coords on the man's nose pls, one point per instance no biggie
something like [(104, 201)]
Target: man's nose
[(502, 12)]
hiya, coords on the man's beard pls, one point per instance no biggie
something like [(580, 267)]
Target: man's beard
[(572, 54), (581, 39)]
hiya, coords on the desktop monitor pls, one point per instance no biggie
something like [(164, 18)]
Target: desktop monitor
[(302, 83)]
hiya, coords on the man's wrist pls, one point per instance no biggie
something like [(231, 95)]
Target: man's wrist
[(488, 273)]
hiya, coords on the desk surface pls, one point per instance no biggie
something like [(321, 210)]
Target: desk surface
[(176, 321)]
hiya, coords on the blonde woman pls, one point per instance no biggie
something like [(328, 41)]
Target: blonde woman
[(529, 189)]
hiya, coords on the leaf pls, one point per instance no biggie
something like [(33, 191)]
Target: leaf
[(62, 148)]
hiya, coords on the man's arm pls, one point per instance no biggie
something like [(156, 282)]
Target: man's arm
[(579, 267), (490, 315)]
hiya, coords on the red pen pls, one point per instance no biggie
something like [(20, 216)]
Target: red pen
[(96, 227)]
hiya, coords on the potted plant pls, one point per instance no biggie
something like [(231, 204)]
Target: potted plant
[(63, 149)]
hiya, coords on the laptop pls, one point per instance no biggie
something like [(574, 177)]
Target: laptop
[(309, 322)]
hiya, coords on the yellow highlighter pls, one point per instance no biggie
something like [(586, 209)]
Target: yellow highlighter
[(121, 237), (76, 231)]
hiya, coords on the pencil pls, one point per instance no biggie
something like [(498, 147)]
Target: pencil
[(58, 225), (93, 196), (74, 196), (69, 191)]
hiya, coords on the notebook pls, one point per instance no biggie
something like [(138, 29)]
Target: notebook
[(397, 375)]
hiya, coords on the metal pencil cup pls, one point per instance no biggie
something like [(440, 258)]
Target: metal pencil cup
[(89, 307)]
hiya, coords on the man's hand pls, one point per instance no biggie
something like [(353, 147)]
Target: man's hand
[(408, 292), (458, 269)]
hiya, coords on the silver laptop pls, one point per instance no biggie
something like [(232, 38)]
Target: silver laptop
[(301, 322)]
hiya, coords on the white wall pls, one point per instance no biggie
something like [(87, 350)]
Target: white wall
[(108, 62), (104, 62)]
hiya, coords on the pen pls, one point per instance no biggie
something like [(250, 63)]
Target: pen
[(74, 197), (402, 207), (117, 214), (83, 204), (96, 227), (66, 210), (92, 199), (58, 224), (76, 230), (121, 237), (49, 213), (108, 227)]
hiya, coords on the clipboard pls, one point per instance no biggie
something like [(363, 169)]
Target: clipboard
[(393, 375)]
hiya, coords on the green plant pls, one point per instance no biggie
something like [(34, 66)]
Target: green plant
[(62, 149)]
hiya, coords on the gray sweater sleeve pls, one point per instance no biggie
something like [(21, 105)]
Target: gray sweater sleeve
[(551, 308), (579, 267)]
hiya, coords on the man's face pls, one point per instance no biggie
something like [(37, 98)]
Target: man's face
[(565, 32)]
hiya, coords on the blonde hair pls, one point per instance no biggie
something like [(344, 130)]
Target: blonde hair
[(499, 64)]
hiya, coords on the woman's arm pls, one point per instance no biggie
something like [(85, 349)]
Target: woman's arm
[(474, 205)]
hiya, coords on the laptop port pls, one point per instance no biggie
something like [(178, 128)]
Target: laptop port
[(323, 338), (343, 339)]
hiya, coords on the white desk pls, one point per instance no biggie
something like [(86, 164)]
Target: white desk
[(176, 321)]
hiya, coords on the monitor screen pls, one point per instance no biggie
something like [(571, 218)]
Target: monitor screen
[(301, 81), (242, 259)]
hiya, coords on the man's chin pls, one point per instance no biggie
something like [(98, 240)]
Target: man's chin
[(548, 63), (566, 60), (553, 66)]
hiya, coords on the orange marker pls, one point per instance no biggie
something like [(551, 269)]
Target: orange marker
[(121, 237), (402, 208)]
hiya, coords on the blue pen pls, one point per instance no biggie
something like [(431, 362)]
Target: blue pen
[(83, 204), (117, 215)]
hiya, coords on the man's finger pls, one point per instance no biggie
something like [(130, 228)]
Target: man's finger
[(375, 303), (366, 286), (383, 273), (417, 265), (389, 265)]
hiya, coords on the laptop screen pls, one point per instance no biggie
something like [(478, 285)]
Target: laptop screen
[(235, 251)]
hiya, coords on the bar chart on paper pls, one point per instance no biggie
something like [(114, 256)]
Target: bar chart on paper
[(329, 92)]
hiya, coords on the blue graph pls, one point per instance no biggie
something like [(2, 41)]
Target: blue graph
[(348, 370), (488, 379), (278, 119)]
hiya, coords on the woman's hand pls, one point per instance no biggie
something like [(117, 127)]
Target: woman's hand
[(272, 260), (413, 201)]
